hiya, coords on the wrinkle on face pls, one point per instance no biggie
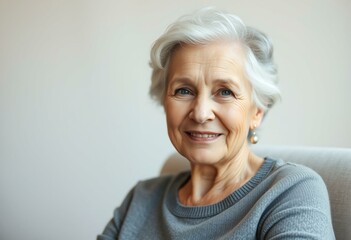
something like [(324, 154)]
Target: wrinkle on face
[(205, 70)]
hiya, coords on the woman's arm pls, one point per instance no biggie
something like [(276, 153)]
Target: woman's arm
[(112, 229), (302, 211)]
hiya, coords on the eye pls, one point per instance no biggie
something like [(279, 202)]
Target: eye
[(182, 91), (224, 92)]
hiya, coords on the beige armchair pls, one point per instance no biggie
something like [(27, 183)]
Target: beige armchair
[(333, 164)]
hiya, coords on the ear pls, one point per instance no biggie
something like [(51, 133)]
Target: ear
[(256, 118)]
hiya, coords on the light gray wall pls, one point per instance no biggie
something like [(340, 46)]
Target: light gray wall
[(77, 128)]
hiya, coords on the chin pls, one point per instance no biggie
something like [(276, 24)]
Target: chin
[(203, 156)]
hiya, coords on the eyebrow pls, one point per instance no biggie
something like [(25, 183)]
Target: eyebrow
[(228, 81), (179, 80), (220, 81)]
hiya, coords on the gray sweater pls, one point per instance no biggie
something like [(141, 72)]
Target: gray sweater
[(282, 201)]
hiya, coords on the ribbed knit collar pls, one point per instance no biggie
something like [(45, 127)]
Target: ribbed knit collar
[(181, 210)]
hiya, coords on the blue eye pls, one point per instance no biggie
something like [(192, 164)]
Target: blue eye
[(182, 91), (225, 92)]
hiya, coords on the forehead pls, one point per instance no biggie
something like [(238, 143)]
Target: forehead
[(219, 59)]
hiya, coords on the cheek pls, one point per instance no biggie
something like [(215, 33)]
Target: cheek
[(173, 115), (235, 119), (175, 118)]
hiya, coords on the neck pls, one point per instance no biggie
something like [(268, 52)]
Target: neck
[(210, 184)]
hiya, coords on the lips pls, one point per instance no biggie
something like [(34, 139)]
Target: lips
[(196, 135)]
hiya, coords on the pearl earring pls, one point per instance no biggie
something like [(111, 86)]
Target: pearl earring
[(253, 136)]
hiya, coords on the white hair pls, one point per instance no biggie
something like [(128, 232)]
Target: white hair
[(209, 25)]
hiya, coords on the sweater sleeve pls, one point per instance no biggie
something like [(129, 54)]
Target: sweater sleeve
[(301, 210), (112, 228)]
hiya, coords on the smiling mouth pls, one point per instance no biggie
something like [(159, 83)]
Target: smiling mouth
[(203, 135)]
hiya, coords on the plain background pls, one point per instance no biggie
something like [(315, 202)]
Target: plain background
[(78, 129)]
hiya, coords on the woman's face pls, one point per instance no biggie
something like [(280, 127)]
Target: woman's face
[(208, 102)]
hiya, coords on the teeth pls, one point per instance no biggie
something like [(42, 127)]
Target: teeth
[(198, 135)]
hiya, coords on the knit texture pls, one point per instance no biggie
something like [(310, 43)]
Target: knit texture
[(282, 201)]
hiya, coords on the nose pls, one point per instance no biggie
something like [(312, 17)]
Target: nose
[(202, 110)]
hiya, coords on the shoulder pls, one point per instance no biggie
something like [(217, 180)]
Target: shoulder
[(293, 172), (147, 193), (158, 185), (297, 198), (286, 180), (294, 181)]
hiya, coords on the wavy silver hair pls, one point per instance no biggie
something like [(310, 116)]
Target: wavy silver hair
[(208, 25)]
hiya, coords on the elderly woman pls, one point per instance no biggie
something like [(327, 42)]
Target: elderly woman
[(216, 79)]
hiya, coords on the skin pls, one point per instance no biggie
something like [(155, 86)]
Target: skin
[(209, 111)]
